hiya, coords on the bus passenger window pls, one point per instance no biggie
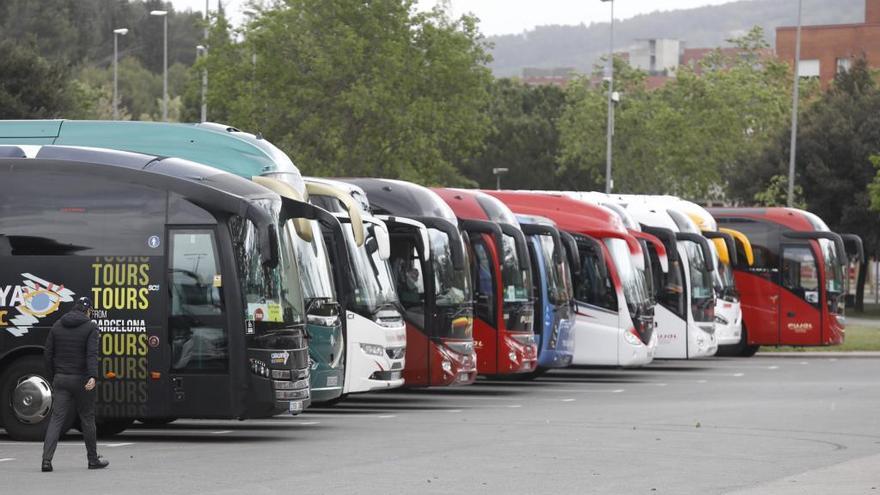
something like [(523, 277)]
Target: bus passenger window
[(198, 335), (800, 274), (482, 276)]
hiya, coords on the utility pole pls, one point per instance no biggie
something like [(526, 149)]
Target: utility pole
[(794, 107), (609, 132)]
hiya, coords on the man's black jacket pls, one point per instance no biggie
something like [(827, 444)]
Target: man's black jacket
[(72, 346)]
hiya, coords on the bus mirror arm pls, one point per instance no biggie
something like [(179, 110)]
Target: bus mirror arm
[(571, 250), (728, 241), (538, 229), (451, 231), (667, 236), (822, 234), (704, 247), (519, 239), (856, 242), (483, 227)]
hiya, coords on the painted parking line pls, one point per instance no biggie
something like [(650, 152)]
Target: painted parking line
[(739, 374), (515, 406), (221, 432), (568, 400), (773, 367), (387, 416), (121, 444), (454, 410), (7, 459)]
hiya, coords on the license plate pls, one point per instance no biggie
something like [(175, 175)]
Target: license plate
[(296, 406)]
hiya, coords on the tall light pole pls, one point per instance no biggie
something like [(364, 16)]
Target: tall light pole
[(609, 183), (116, 34), (794, 106), (164, 15), (200, 52), (205, 69)]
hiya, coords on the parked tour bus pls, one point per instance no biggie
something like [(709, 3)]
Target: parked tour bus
[(728, 310), (435, 292), (195, 287), (502, 276), (376, 329), (793, 293), (614, 312), (685, 313), (554, 294), (248, 156)]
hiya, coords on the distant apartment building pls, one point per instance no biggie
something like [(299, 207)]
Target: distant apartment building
[(828, 49), (657, 57)]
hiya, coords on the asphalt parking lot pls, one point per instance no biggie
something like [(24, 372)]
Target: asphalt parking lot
[(761, 425)]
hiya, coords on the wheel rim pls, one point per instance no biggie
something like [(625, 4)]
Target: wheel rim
[(32, 399)]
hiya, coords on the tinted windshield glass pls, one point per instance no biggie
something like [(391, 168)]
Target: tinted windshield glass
[(635, 288), (592, 284), (517, 282), (314, 264), (371, 275), (273, 296), (702, 290), (451, 286), (833, 276), (557, 284)]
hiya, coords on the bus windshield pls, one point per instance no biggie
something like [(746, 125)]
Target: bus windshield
[(702, 290), (373, 286), (557, 285), (517, 281), (725, 285), (451, 286), (273, 299), (833, 276), (314, 265), (632, 278)]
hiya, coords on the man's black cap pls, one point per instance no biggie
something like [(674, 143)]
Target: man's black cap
[(84, 303)]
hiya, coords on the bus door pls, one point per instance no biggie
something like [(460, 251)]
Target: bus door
[(800, 296), (197, 324)]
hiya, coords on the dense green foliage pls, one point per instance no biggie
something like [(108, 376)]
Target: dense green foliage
[(348, 87)]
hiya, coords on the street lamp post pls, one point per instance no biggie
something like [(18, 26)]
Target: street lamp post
[(498, 172), (116, 34), (609, 132), (164, 15), (794, 107), (201, 50)]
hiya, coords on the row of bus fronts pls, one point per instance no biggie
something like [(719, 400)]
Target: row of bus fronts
[(227, 285)]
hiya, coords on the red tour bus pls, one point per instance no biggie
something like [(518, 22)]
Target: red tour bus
[(503, 335), (615, 314), (794, 292)]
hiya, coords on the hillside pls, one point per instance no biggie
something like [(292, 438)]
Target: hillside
[(580, 46)]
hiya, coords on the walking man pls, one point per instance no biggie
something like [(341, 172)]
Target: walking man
[(72, 360)]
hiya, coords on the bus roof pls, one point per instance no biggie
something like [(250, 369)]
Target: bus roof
[(218, 145), (476, 205), (396, 197), (791, 218)]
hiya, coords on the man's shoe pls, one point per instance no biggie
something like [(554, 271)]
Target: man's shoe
[(47, 466), (101, 463)]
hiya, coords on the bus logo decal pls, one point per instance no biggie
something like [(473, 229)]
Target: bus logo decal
[(154, 241), (34, 299)]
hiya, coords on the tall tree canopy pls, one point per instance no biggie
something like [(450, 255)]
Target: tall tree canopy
[(360, 88)]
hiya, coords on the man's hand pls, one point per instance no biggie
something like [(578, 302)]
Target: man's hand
[(90, 385)]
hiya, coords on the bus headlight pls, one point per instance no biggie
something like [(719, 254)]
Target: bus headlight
[(373, 349), (631, 337)]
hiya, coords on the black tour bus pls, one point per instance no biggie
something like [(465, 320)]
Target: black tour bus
[(196, 293)]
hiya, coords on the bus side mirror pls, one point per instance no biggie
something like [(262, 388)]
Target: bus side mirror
[(269, 238), (383, 240)]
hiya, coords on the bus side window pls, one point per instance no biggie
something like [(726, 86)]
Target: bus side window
[(800, 274), (589, 285), (198, 335)]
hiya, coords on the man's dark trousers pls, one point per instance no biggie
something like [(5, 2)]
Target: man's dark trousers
[(68, 392)]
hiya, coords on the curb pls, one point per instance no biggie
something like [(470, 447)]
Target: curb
[(814, 354)]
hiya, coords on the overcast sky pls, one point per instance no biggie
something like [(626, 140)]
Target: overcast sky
[(516, 16)]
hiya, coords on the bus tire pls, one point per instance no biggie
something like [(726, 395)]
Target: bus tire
[(21, 369), (109, 427), (749, 350), (331, 402)]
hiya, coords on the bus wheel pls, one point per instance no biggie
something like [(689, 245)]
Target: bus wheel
[(25, 399), (749, 350), (331, 402), (110, 427), (539, 371)]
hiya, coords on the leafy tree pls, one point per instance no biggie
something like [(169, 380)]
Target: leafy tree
[(32, 87), (686, 137), (524, 137), (357, 88), (776, 193)]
